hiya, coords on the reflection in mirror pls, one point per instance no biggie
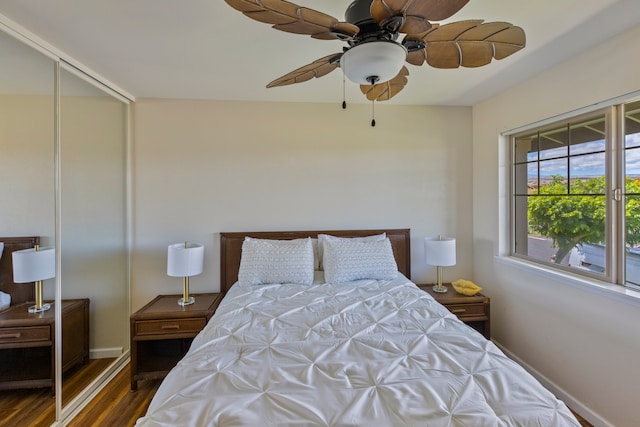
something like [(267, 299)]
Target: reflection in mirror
[(27, 195), (26, 140), (93, 225), (91, 233)]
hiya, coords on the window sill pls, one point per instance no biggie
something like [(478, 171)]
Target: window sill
[(608, 290)]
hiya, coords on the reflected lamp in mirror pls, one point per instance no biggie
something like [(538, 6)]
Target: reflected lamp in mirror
[(35, 265), (185, 260), (441, 252)]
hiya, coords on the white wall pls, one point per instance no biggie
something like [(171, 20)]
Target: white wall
[(203, 167), (26, 169), (587, 343)]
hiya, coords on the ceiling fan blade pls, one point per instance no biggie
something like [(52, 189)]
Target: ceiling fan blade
[(468, 44), (291, 18), (387, 90), (417, 13), (417, 56), (508, 41), (317, 68)]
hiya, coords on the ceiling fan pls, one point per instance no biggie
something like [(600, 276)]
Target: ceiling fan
[(373, 58)]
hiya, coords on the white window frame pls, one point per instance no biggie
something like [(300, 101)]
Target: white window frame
[(615, 205)]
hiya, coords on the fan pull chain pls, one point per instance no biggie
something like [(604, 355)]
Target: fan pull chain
[(373, 113), (344, 97)]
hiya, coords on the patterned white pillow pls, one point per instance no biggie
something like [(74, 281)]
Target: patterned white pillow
[(323, 237), (346, 260), (266, 261)]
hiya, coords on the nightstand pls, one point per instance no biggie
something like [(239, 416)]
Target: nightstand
[(475, 311), (162, 331), (27, 343)]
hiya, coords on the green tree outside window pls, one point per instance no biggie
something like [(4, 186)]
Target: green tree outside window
[(579, 218)]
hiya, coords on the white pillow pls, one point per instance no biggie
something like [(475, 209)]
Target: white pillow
[(346, 260), (266, 261), (1, 248), (323, 237)]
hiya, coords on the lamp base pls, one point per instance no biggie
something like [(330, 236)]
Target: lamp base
[(188, 301), (439, 288), (44, 307)]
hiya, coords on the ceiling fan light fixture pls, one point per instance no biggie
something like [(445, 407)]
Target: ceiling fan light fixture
[(373, 62)]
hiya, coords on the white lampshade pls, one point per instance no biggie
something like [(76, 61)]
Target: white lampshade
[(185, 261), (381, 59), (30, 265), (440, 251)]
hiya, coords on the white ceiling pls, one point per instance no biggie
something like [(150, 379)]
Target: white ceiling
[(204, 49)]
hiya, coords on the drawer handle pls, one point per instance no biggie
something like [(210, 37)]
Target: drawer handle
[(459, 310), (174, 326), (14, 335)]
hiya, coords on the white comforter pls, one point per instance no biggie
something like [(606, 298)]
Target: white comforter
[(364, 354)]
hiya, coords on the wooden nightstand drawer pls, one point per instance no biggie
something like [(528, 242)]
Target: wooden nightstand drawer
[(467, 310), (473, 310), (29, 333), (172, 326)]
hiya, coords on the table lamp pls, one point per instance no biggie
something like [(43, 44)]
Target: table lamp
[(35, 265), (440, 251), (185, 260)]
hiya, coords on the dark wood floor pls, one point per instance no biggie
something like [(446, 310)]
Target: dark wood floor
[(115, 405), (583, 422), (37, 407)]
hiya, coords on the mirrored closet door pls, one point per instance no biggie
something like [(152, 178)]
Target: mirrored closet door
[(63, 179), (93, 241), (27, 210)]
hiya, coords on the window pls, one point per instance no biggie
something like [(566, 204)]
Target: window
[(632, 192), (575, 186)]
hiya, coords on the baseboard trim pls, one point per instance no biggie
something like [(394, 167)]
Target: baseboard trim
[(79, 402), (560, 393), (105, 353)]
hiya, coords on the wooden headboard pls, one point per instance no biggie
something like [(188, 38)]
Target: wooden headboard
[(20, 292), (231, 248)]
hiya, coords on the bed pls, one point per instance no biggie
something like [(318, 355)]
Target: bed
[(372, 351)]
